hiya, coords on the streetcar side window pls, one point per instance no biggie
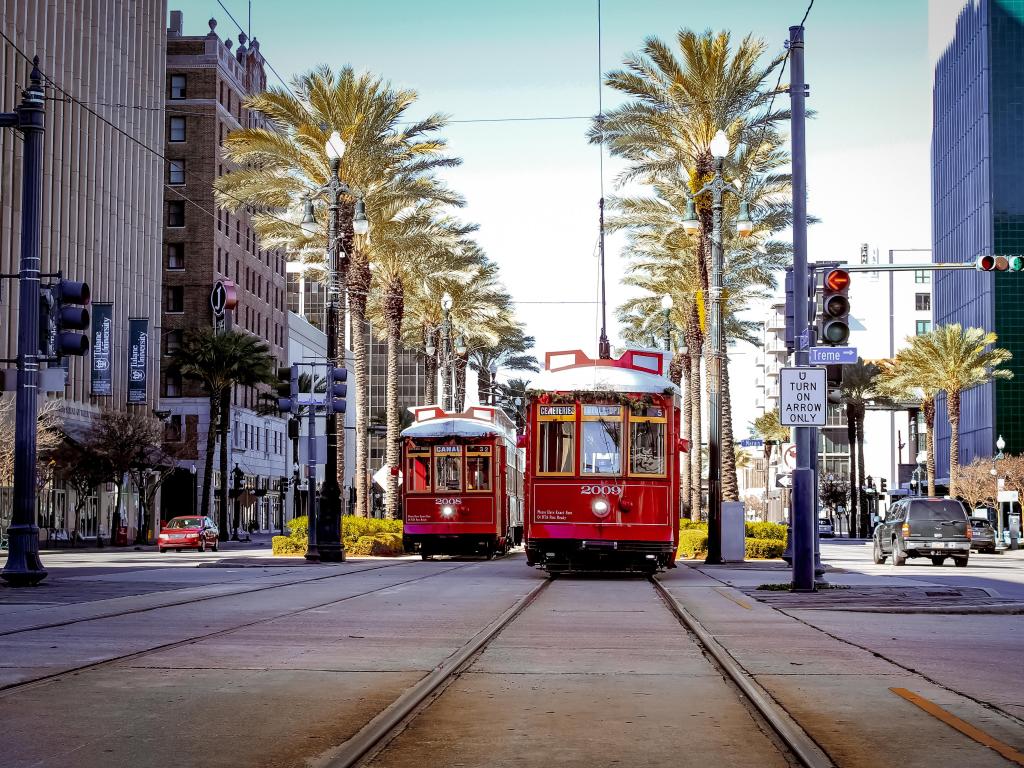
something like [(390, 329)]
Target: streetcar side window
[(419, 473), (602, 440), (556, 439), (478, 472), (647, 442), (447, 468)]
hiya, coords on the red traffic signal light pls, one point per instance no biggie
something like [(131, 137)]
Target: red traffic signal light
[(834, 327), (989, 263), (837, 280)]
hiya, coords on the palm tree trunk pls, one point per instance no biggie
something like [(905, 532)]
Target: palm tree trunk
[(865, 521), (211, 448), (359, 288), (851, 439), (431, 337), (730, 484), (695, 342), (225, 419), (680, 370), (928, 406), (953, 409), (393, 310)]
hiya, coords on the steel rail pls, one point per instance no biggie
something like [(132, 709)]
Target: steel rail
[(803, 747), (377, 733), (7, 690)]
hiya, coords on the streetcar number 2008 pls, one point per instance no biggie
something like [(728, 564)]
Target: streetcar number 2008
[(447, 502), (601, 490)]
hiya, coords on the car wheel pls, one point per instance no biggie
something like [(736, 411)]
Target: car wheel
[(938, 560), (960, 562), (899, 557), (877, 555), (161, 550)]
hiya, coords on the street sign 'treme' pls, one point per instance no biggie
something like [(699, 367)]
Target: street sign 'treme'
[(803, 394)]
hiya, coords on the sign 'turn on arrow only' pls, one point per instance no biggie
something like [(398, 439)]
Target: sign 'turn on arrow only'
[(803, 397)]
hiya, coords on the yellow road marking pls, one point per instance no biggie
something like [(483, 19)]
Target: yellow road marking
[(727, 596), (964, 727)]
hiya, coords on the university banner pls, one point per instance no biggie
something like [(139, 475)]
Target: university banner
[(102, 360), (138, 352)]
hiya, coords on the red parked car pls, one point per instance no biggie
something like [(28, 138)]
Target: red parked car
[(188, 533)]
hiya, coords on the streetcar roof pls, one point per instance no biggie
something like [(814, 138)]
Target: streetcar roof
[(636, 371), (451, 428), (475, 421)]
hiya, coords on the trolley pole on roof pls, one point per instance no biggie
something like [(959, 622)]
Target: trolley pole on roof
[(802, 515)]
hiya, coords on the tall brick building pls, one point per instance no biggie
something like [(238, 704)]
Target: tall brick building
[(207, 80)]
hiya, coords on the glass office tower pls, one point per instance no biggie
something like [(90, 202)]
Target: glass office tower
[(978, 207)]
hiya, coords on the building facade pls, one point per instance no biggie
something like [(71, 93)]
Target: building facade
[(978, 206), (207, 81), (101, 202)]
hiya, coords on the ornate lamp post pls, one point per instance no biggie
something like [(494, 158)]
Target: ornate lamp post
[(717, 186), (666, 325), (329, 518), (493, 370)]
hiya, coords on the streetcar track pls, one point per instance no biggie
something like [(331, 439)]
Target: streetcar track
[(13, 688), (187, 601)]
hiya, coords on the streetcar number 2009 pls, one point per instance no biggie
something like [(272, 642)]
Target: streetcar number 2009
[(601, 490)]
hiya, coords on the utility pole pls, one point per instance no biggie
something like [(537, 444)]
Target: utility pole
[(803, 523), (24, 568)]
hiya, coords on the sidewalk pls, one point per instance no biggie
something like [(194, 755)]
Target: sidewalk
[(847, 693), (256, 541)]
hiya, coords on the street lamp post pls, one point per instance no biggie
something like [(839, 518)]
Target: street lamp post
[(194, 489), (329, 508), (282, 487), (666, 325), (23, 567), (447, 390), (1000, 445), (493, 370), (717, 186)]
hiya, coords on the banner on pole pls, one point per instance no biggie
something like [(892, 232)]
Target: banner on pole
[(101, 374), (138, 354)]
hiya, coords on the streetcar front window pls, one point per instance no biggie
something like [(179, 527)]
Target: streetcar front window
[(419, 474), (447, 473), (647, 448), (557, 446), (478, 473), (602, 440)]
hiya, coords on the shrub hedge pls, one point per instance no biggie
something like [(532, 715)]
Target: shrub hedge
[(774, 531), (360, 536), (287, 546), (693, 544), (764, 549)]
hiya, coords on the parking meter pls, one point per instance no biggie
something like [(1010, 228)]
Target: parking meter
[(1013, 523)]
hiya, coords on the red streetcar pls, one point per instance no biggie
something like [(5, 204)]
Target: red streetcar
[(463, 491), (602, 464)]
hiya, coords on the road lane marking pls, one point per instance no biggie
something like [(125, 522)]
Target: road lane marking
[(727, 596), (972, 732)]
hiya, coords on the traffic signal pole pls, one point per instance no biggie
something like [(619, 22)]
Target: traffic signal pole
[(804, 493)]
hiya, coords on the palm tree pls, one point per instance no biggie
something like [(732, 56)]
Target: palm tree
[(513, 401), (220, 361), (857, 389), (510, 352), (386, 155), (902, 381), (952, 359)]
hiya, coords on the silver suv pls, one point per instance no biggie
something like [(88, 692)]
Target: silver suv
[(924, 527)]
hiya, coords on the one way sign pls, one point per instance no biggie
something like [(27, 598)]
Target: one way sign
[(803, 397)]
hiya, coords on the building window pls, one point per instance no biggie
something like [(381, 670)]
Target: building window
[(923, 302), (178, 86), (172, 388), (173, 342), (175, 298), (177, 129), (172, 428), (175, 171), (923, 327), (176, 213), (922, 276), (175, 256)]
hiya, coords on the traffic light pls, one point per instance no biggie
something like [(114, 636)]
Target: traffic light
[(69, 314), (790, 312), (336, 389), (288, 389), (47, 324), (988, 263), (834, 324)]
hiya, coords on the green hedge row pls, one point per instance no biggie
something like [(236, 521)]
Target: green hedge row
[(360, 536)]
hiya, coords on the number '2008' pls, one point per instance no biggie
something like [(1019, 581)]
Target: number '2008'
[(601, 490)]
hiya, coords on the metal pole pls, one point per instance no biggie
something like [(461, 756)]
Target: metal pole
[(312, 550), (23, 567), (715, 377), (604, 347), (803, 522), (331, 548), (668, 332)]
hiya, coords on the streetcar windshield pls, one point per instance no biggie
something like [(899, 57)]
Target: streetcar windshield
[(647, 448), (556, 447), (448, 473), (478, 473), (602, 440), (419, 473)]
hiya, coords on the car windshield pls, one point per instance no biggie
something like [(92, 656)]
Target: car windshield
[(186, 522), (944, 509), (980, 523)]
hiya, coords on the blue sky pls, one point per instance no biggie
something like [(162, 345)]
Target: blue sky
[(533, 186)]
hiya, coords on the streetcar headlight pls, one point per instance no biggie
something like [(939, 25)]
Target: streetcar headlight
[(600, 506), (447, 511)]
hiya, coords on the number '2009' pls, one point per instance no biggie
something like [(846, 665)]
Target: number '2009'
[(601, 490)]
